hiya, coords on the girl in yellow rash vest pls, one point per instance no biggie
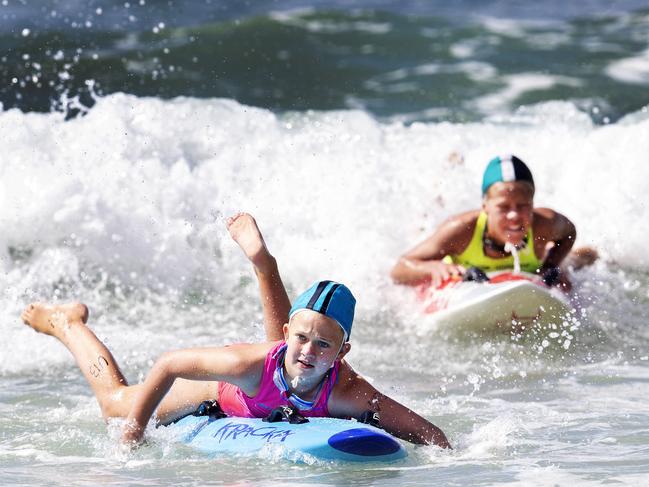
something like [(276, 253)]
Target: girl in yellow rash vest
[(479, 238)]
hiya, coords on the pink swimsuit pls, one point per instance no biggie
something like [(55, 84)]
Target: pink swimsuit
[(235, 402)]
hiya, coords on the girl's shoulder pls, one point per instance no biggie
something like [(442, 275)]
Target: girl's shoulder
[(466, 220), (550, 224), (352, 394)]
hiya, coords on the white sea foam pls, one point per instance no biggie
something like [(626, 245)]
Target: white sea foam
[(535, 476), (491, 438), (518, 28), (634, 70), (549, 40), (475, 70), (295, 17), (131, 198), (139, 187), (464, 49), (515, 86)]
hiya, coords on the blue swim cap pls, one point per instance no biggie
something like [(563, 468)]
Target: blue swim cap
[(505, 169), (331, 299)]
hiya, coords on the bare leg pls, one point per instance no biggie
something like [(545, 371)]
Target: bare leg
[(114, 395), (274, 300), (68, 324)]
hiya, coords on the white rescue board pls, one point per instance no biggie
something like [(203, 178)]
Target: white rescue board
[(509, 301)]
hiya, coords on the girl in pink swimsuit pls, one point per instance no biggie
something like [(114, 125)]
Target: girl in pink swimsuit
[(325, 297), (305, 370), (301, 364), (274, 391)]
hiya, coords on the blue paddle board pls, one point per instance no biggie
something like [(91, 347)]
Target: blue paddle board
[(322, 438)]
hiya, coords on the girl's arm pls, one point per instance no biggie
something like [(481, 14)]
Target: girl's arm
[(425, 261), (353, 395), (274, 300), (241, 365), (554, 228)]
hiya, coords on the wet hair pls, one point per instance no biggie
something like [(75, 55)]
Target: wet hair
[(521, 184), (505, 169)]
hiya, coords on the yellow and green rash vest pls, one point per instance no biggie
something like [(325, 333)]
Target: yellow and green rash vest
[(474, 256)]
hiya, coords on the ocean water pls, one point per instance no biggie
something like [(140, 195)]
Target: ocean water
[(133, 129)]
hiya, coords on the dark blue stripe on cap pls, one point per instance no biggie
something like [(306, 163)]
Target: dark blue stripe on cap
[(316, 295), (325, 304)]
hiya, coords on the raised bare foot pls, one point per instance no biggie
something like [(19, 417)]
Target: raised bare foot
[(244, 230), (54, 320)]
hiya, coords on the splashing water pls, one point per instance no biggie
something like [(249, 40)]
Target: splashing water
[(122, 208)]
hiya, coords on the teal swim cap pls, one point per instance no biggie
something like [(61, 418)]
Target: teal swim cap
[(505, 169), (330, 299)]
